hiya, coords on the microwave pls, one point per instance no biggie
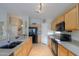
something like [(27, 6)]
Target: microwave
[(65, 37), (60, 26)]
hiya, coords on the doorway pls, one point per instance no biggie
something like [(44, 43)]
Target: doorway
[(33, 34)]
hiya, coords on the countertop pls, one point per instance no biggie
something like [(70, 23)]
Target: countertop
[(7, 52), (72, 46)]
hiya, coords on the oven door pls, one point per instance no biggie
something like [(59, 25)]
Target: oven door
[(54, 47)]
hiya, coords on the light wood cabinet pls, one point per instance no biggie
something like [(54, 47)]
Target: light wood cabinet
[(72, 19), (49, 43), (53, 26), (62, 51), (24, 49), (57, 21), (71, 54), (60, 19)]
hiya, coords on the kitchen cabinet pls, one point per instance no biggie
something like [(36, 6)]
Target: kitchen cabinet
[(60, 19), (49, 43), (70, 54), (72, 19), (62, 51), (25, 48), (57, 21), (53, 27)]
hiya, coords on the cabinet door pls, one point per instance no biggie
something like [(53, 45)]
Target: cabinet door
[(71, 19), (24, 49), (49, 43), (56, 21), (71, 54), (60, 19), (53, 27), (62, 51)]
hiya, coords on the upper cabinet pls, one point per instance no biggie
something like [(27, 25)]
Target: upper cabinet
[(60, 19), (53, 26), (56, 21), (71, 19)]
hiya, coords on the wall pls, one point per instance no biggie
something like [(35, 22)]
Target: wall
[(45, 29), (3, 18), (75, 35)]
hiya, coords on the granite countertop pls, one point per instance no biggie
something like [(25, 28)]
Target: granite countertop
[(72, 46), (7, 52)]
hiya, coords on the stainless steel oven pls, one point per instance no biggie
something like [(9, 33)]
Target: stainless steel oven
[(54, 47)]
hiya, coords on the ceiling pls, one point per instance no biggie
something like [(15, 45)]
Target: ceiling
[(51, 10)]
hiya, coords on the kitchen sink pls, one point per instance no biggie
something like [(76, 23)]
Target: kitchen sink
[(11, 45)]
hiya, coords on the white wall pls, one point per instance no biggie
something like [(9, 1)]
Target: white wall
[(75, 35), (3, 17), (46, 27), (38, 21)]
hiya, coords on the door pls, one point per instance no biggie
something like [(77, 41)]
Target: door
[(44, 36)]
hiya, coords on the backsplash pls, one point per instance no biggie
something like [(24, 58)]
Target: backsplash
[(75, 35)]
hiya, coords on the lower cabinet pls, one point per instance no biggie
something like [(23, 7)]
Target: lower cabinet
[(71, 54), (49, 43), (64, 52), (24, 49)]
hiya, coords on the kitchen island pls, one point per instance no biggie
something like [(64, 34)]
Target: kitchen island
[(20, 50)]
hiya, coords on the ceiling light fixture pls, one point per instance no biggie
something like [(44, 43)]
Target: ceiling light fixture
[(40, 8)]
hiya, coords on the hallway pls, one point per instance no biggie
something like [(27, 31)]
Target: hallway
[(40, 50)]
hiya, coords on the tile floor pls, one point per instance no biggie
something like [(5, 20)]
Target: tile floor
[(40, 50)]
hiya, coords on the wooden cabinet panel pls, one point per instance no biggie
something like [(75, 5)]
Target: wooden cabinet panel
[(56, 21), (60, 19), (70, 54), (71, 19), (49, 43), (24, 49), (62, 51), (53, 25)]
